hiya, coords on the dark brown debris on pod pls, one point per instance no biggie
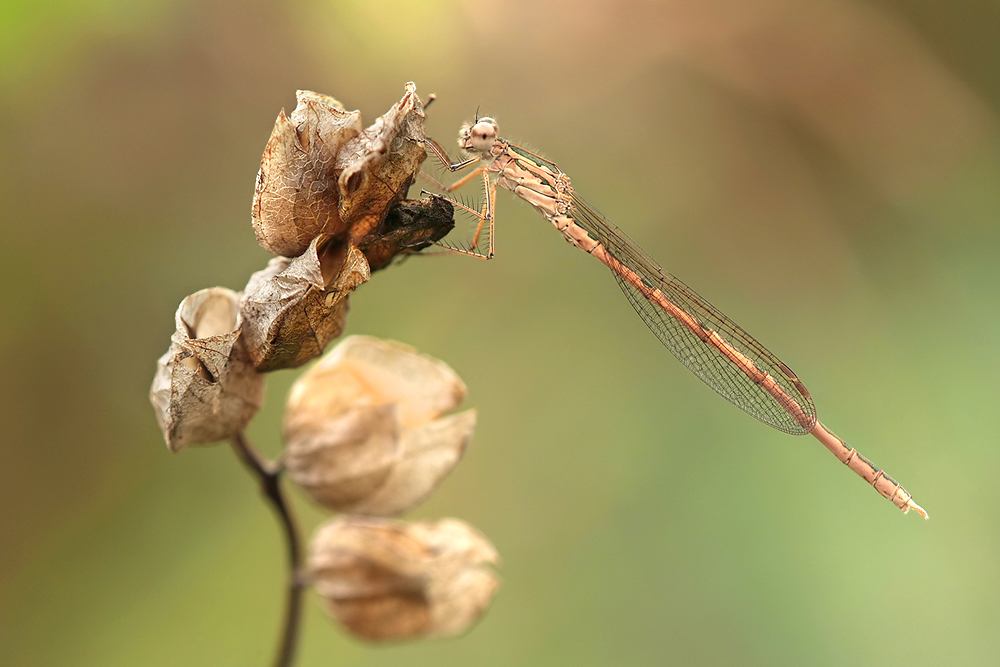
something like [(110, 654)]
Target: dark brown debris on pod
[(294, 307), (388, 580), (411, 226), (205, 388)]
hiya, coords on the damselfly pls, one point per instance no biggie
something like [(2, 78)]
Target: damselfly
[(708, 343)]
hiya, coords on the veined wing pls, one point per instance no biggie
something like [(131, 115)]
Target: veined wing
[(709, 344)]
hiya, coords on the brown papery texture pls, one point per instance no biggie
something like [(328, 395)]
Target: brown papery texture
[(296, 195), (322, 174), (392, 580), (366, 431), (294, 307), (377, 167), (205, 388)]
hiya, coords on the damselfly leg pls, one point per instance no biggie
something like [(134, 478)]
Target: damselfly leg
[(484, 217)]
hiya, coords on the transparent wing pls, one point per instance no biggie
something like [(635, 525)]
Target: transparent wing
[(707, 361)]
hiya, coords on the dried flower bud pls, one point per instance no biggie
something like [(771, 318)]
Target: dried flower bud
[(322, 174), (364, 431), (205, 388), (377, 167), (388, 580), (294, 307), (296, 197)]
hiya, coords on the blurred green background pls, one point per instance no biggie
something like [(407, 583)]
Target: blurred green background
[(825, 171)]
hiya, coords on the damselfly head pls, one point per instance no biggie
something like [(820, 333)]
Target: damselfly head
[(480, 137)]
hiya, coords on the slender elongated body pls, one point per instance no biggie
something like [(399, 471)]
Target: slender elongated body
[(707, 342)]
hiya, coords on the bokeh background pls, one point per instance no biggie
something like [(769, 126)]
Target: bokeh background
[(825, 171)]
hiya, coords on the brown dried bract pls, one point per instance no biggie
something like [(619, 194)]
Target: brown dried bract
[(322, 174), (294, 307), (364, 431), (205, 388), (391, 580), (296, 196), (377, 167)]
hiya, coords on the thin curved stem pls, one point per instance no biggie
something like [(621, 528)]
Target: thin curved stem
[(269, 476)]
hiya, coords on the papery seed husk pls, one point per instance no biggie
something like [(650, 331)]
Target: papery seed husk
[(345, 459), (205, 388), (424, 387), (454, 541), (374, 556), (391, 580), (461, 601), (354, 556), (363, 431), (427, 454), (386, 618), (296, 196), (295, 307), (377, 167), (322, 174)]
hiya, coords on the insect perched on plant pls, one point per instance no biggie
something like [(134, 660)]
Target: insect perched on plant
[(711, 345)]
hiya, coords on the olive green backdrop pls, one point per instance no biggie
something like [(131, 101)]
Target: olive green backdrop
[(825, 171)]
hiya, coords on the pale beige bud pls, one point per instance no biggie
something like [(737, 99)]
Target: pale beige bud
[(392, 580), (296, 197), (294, 307), (364, 431), (205, 388)]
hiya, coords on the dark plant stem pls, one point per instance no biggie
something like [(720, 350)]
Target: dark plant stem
[(269, 476)]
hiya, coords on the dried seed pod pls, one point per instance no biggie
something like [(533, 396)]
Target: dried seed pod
[(296, 196), (322, 174), (364, 431), (377, 167), (391, 580), (294, 307), (205, 388)]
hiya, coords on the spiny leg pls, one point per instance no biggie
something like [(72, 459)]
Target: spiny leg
[(489, 189), (443, 158), (457, 184), (491, 196), (433, 181), (481, 169), (483, 217), (479, 225)]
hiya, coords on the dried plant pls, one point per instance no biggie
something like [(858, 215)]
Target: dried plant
[(206, 388), (364, 431), (367, 429), (387, 579), (294, 307)]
